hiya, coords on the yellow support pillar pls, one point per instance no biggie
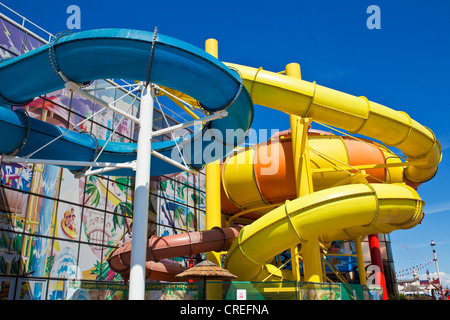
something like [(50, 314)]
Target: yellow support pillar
[(213, 206), (212, 47), (312, 265), (360, 262), (299, 132), (213, 213), (183, 107), (312, 262), (295, 264), (293, 70), (213, 209), (302, 164)]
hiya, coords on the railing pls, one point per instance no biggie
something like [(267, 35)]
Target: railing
[(229, 290), (24, 20)]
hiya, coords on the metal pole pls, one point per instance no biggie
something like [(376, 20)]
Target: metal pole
[(437, 268), (360, 262), (141, 198), (114, 165)]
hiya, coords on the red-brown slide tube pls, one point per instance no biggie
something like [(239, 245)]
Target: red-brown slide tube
[(158, 248), (162, 271)]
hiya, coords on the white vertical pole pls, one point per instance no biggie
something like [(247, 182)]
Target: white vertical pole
[(141, 198)]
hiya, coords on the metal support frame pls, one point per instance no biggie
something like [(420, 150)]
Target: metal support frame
[(141, 198), (180, 102), (214, 116), (76, 88), (141, 165), (142, 184), (333, 268), (67, 162), (90, 172), (173, 162), (109, 166)]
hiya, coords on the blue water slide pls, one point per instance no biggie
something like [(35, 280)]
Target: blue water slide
[(126, 54)]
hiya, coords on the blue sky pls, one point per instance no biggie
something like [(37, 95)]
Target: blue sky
[(404, 65)]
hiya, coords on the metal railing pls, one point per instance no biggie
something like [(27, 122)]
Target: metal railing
[(22, 26)]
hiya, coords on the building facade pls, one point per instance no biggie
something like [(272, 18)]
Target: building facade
[(57, 231)]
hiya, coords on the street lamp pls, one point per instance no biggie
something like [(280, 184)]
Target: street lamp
[(432, 244)]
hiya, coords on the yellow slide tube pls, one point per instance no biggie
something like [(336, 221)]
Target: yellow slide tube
[(348, 112), (344, 212), (240, 172)]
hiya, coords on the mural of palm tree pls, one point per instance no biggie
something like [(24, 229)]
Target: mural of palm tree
[(123, 210), (179, 214), (191, 220), (124, 183), (197, 199), (93, 192), (181, 191)]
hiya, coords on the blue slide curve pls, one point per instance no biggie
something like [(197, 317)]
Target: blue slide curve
[(119, 53)]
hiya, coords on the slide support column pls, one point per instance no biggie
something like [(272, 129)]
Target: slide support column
[(212, 170), (213, 206), (299, 134), (360, 262), (141, 198), (312, 262)]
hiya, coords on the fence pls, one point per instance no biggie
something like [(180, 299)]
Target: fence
[(234, 290)]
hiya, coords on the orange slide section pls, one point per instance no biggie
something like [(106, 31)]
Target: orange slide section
[(184, 244), (332, 161)]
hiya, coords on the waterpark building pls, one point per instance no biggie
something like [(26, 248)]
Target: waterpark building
[(66, 224)]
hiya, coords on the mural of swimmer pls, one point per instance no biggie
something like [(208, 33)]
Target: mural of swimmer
[(68, 224)]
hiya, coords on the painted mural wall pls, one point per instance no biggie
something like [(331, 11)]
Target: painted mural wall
[(56, 231)]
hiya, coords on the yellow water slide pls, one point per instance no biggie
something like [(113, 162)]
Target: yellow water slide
[(329, 211), (357, 115), (344, 212)]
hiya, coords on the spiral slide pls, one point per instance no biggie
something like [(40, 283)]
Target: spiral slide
[(124, 54), (342, 206)]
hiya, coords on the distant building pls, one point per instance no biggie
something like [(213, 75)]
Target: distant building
[(416, 286)]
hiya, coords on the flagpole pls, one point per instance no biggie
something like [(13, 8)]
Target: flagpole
[(432, 244)]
